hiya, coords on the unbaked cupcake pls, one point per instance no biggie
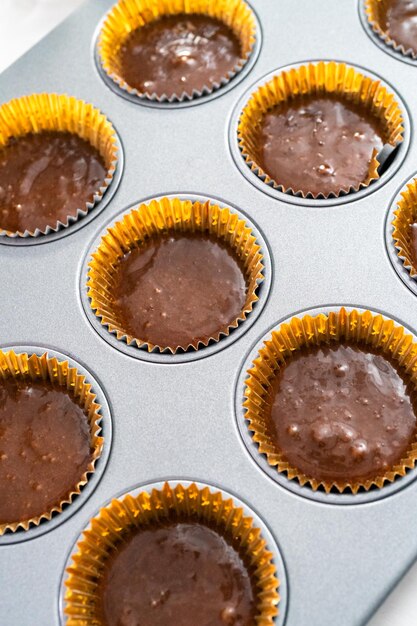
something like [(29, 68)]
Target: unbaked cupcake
[(317, 130), (175, 275), (49, 437), (57, 158), (331, 400), (175, 51), (168, 556)]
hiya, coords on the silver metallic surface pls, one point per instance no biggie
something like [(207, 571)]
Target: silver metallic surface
[(179, 421)]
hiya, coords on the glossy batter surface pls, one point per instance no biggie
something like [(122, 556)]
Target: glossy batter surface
[(179, 289), (399, 21), (342, 413), (179, 53), (46, 177), (320, 145), (182, 574), (44, 448)]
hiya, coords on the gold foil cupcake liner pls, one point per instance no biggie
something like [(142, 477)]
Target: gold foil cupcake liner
[(405, 216), (329, 78), (154, 220), (375, 11), (362, 328), (129, 15), (53, 112), (132, 513), (31, 367)]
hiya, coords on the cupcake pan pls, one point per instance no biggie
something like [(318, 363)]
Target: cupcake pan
[(180, 421)]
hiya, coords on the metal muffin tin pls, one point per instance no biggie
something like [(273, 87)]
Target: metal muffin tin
[(179, 420)]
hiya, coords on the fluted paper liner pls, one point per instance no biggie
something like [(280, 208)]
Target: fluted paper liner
[(31, 367), (132, 513), (323, 78), (156, 219), (129, 15), (375, 11), (405, 216), (52, 112), (364, 329)]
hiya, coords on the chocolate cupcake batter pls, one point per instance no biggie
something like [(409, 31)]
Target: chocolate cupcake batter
[(46, 177), (341, 413), (399, 21), (179, 53), (179, 289), (180, 574), (44, 448), (318, 145)]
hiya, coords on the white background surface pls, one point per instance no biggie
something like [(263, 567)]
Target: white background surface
[(22, 24)]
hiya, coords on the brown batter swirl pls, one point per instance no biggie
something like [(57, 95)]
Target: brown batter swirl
[(342, 413), (180, 573), (399, 21), (318, 144), (45, 177), (179, 289), (179, 53), (44, 448)]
